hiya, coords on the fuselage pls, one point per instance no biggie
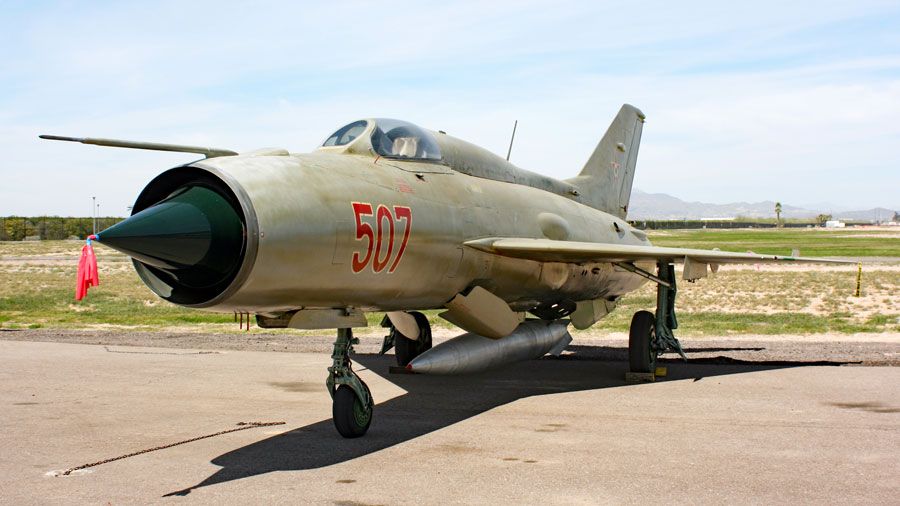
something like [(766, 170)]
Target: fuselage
[(328, 230)]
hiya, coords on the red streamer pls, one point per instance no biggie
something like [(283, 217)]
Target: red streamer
[(87, 270)]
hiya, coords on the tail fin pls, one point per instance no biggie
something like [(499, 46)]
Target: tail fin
[(605, 181)]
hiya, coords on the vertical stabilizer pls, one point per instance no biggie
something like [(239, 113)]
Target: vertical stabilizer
[(605, 181)]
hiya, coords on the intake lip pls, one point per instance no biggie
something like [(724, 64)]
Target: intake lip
[(190, 236)]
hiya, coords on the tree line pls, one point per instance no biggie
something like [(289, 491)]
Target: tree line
[(19, 228), (739, 222)]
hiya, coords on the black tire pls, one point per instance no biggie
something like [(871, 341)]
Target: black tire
[(406, 349), (351, 417), (641, 357)]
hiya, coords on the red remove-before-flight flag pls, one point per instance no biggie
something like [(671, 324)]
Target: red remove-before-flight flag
[(87, 270)]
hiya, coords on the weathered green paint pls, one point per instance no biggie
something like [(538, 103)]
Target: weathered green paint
[(307, 236), (473, 220), (300, 214)]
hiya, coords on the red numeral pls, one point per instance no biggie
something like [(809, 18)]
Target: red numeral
[(363, 230), (405, 214), (383, 213), (374, 237)]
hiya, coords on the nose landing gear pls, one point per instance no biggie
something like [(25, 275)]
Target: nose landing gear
[(352, 403)]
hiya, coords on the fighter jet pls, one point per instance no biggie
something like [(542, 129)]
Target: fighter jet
[(387, 216)]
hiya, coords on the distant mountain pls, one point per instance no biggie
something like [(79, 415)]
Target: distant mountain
[(660, 206), (877, 214)]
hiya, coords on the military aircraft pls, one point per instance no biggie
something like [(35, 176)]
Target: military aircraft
[(387, 216)]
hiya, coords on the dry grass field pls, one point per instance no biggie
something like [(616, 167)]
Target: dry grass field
[(38, 286)]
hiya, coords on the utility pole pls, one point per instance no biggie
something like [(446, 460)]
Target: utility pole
[(94, 215)]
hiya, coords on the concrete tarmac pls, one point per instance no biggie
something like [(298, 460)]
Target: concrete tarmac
[(541, 432)]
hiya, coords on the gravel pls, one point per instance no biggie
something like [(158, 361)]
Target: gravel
[(824, 349)]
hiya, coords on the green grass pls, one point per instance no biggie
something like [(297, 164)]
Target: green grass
[(51, 302), (711, 323), (810, 242), (40, 293)]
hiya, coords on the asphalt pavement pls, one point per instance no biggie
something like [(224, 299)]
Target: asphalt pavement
[(562, 431)]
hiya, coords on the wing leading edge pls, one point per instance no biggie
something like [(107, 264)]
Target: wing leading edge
[(548, 250)]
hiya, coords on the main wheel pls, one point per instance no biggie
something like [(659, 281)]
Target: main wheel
[(351, 417), (408, 349), (641, 357)]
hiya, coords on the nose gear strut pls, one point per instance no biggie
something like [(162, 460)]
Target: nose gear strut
[(352, 403)]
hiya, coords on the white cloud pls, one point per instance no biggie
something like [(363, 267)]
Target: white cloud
[(743, 100)]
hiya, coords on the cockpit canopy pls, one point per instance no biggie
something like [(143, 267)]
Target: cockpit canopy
[(390, 138)]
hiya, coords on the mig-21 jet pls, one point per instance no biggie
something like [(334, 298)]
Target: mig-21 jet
[(387, 216)]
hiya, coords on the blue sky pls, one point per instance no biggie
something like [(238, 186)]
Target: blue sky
[(790, 101)]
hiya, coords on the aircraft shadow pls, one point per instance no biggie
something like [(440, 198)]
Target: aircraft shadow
[(620, 354), (434, 402)]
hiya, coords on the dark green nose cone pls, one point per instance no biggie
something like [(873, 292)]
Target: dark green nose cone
[(194, 237)]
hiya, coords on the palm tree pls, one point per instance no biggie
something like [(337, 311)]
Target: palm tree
[(778, 214)]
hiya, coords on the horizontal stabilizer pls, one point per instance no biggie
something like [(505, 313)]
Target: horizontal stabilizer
[(154, 146)]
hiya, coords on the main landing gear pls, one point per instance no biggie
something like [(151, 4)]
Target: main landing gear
[(651, 335), (352, 403), (405, 347)]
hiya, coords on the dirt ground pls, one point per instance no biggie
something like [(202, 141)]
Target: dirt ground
[(882, 349)]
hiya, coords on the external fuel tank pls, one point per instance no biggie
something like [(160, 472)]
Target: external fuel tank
[(470, 353)]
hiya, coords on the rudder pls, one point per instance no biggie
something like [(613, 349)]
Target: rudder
[(605, 181)]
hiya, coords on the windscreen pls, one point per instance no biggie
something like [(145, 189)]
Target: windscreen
[(346, 134)]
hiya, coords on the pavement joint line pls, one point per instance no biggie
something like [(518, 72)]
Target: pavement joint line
[(241, 426)]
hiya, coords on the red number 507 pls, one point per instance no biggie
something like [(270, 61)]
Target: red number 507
[(376, 252)]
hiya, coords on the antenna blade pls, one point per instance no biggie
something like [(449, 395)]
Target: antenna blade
[(513, 138)]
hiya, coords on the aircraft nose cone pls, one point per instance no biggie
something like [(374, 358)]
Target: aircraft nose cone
[(194, 234)]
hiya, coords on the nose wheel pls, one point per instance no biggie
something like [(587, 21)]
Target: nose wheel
[(351, 414), (352, 403)]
